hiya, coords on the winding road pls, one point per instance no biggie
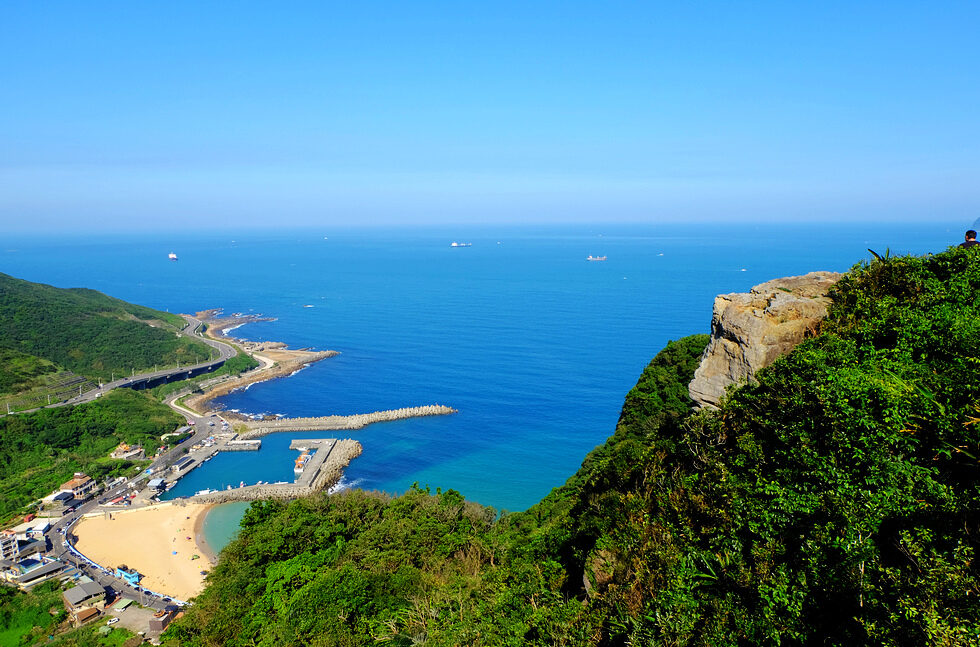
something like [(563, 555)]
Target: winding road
[(193, 327)]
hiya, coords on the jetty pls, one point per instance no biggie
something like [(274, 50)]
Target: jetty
[(253, 444), (257, 428)]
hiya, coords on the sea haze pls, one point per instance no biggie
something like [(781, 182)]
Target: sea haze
[(533, 344)]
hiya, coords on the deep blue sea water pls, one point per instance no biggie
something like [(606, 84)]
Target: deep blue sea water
[(534, 345)]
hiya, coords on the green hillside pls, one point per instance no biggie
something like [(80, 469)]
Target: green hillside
[(40, 450), (837, 501), (85, 332)]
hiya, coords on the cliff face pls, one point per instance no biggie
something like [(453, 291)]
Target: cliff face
[(750, 330)]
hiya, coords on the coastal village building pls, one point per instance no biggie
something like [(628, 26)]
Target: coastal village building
[(9, 547), (57, 502), (130, 576), (80, 486), (33, 529), (160, 621), (156, 484), (41, 573), (84, 615), (183, 465), (81, 600), (128, 452)]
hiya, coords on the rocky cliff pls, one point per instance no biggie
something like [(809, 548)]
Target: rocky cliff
[(750, 330)]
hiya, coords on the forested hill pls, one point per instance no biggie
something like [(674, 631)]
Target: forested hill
[(835, 502), (84, 331)]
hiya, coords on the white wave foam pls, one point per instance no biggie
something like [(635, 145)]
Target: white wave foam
[(344, 484), (228, 330)]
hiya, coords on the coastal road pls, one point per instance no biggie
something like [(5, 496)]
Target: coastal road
[(193, 328)]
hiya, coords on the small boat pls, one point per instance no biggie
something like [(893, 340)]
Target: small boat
[(455, 244), (172, 256), (590, 257)]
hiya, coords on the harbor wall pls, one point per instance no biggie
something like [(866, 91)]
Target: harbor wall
[(329, 472)]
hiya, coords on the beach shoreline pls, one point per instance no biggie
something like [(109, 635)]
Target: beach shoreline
[(202, 543), (154, 541)]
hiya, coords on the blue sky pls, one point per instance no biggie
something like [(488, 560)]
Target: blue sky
[(122, 114)]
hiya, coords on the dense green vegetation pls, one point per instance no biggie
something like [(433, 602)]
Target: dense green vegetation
[(30, 618), (357, 567), (22, 371), (88, 332), (39, 451), (836, 501)]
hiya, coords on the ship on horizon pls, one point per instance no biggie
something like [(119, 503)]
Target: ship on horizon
[(455, 244), (590, 257)]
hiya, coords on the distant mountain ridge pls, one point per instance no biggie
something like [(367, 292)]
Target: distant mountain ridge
[(86, 332)]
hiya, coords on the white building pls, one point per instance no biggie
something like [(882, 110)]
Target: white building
[(9, 548)]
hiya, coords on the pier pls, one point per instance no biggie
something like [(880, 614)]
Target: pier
[(249, 445)]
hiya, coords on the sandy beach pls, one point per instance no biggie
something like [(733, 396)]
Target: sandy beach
[(146, 539)]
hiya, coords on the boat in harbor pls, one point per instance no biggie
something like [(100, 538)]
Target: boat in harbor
[(301, 462), (172, 256), (590, 257)]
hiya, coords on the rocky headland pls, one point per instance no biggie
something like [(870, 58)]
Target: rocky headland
[(750, 330)]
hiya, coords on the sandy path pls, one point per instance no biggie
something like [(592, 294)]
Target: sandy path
[(145, 539)]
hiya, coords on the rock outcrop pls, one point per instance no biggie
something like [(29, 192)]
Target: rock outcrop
[(750, 330)]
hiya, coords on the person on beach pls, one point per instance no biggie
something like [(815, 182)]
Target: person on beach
[(971, 239)]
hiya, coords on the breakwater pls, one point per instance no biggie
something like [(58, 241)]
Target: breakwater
[(357, 421), (329, 467)]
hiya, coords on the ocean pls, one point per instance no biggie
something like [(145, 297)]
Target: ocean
[(534, 345)]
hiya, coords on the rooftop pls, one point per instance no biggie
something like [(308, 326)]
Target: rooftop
[(47, 569), (83, 592)]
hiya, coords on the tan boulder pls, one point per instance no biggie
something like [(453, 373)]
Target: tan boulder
[(750, 330)]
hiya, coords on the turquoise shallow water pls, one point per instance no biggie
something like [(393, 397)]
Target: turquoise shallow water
[(534, 345), (221, 524)]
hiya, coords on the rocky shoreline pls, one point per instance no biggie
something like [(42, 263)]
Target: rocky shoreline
[(276, 358)]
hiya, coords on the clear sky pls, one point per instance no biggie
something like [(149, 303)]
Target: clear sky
[(150, 114)]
